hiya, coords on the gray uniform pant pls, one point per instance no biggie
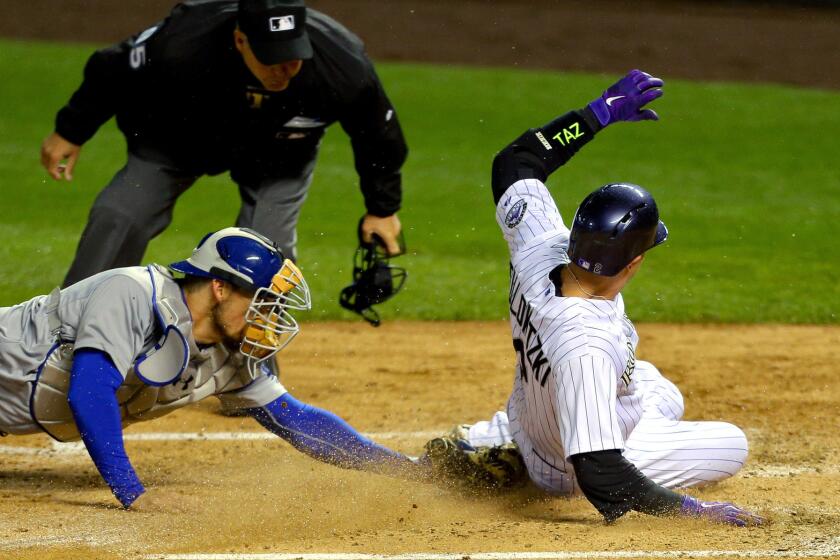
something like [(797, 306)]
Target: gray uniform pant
[(137, 205)]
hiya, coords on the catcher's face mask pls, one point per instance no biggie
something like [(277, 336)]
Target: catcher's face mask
[(374, 280), (271, 326)]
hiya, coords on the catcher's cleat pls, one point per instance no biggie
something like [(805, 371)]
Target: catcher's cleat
[(452, 458)]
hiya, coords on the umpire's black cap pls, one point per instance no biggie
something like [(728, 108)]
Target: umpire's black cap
[(276, 29)]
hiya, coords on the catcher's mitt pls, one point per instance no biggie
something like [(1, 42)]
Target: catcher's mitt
[(453, 459)]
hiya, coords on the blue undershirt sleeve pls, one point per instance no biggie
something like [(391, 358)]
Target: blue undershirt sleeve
[(94, 381), (326, 437)]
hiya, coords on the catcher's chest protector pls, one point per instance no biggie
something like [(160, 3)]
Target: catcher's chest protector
[(170, 374)]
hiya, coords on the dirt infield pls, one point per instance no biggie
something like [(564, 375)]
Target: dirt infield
[(403, 382), (722, 40)]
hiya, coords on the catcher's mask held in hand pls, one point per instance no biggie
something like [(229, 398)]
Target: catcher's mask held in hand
[(270, 324), (375, 280)]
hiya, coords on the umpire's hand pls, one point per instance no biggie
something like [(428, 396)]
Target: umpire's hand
[(58, 156), (387, 229)]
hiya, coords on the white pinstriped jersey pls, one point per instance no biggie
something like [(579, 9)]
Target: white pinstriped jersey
[(574, 390)]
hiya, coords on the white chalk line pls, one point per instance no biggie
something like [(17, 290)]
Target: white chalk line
[(559, 555), (11, 450), (781, 470), (57, 540), (227, 436), (77, 448)]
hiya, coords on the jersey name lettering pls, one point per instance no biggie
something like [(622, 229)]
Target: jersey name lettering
[(529, 351), (627, 376), (572, 132)]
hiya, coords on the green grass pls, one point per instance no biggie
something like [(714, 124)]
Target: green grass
[(746, 177)]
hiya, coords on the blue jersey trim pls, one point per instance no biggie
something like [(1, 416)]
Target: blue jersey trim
[(167, 329), (32, 391), (186, 355)]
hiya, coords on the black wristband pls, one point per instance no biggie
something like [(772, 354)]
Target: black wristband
[(591, 119)]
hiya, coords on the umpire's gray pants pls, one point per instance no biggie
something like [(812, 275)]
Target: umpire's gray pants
[(137, 205)]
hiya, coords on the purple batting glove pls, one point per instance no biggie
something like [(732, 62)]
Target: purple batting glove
[(719, 512), (623, 101)]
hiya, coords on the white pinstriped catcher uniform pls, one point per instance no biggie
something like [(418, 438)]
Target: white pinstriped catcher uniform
[(578, 387)]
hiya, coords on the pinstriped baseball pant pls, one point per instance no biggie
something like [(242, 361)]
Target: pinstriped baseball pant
[(671, 452)]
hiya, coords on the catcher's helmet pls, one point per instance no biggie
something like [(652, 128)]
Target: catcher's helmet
[(240, 256), (612, 226), (250, 261)]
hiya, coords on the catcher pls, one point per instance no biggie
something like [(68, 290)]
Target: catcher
[(585, 415), (132, 344)]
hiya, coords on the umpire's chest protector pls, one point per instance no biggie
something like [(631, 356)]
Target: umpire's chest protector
[(171, 373)]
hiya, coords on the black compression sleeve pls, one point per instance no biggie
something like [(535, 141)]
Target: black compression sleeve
[(540, 151), (615, 486)]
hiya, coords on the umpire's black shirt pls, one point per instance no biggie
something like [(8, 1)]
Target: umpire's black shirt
[(183, 96)]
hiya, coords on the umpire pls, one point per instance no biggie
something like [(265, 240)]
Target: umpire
[(245, 86)]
